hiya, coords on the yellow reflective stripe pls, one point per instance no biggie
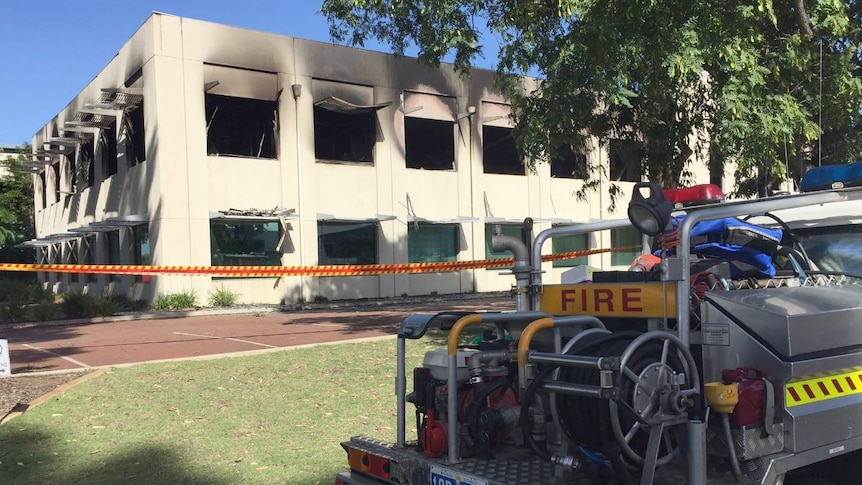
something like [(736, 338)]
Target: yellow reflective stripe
[(823, 388)]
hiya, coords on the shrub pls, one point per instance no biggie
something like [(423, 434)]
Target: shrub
[(320, 299), (223, 297), (175, 301), (44, 311), (87, 306), (12, 311)]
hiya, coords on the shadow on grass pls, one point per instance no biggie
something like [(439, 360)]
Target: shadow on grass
[(28, 457)]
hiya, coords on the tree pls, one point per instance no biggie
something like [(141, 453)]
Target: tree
[(771, 86), (16, 203)]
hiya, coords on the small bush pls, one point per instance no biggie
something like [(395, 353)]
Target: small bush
[(320, 299), (223, 297), (12, 312), (43, 312), (175, 301), (87, 306)]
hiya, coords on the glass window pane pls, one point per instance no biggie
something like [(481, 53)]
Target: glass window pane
[(113, 251), (244, 243), (627, 236), (347, 242), (432, 243), (566, 244)]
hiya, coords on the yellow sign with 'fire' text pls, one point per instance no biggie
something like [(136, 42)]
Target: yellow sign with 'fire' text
[(645, 300)]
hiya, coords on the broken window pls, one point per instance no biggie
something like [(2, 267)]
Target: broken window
[(499, 153), (55, 171), (345, 122), (108, 150), (241, 127), (244, 243), (241, 108), (133, 133), (346, 242), (429, 130), (568, 164), (87, 162), (73, 170), (432, 243), (430, 144), (626, 157), (568, 244), (42, 189)]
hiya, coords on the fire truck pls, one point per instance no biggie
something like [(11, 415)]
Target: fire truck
[(728, 353)]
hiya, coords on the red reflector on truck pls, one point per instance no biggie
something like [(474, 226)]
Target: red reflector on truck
[(699, 194), (362, 461)]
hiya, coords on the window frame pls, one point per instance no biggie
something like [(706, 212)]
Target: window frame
[(494, 143), (372, 228), (434, 241), (256, 256)]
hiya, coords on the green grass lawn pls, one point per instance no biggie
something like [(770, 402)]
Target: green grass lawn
[(272, 418)]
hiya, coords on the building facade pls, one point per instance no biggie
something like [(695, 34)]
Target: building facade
[(203, 145)]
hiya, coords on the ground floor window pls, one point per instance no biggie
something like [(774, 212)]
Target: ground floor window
[(347, 242), (143, 252), (72, 258), (432, 243), (244, 243), (627, 236), (113, 251), (567, 244)]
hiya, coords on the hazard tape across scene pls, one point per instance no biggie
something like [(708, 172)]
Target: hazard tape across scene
[(277, 271)]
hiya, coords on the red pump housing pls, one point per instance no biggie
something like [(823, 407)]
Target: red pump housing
[(752, 388)]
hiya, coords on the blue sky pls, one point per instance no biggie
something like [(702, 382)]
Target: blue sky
[(51, 49)]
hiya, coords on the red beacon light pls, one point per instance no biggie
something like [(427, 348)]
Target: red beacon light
[(697, 195)]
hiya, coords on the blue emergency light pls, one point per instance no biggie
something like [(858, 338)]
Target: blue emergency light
[(832, 177)]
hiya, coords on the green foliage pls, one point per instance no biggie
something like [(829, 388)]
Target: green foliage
[(87, 306), (16, 202), (181, 300), (17, 295), (223, 297), (320, 299), (714, 82)]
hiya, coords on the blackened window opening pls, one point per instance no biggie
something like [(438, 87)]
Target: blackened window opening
[(344, 137), (499, 153), (108, 150), (43, 182), (241, 127), (568, 164), (626, 160), (87, 160), (55, 167), (133, 129), (430, 144), (73, 169)]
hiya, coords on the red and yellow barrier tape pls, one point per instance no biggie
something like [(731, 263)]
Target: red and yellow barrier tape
[(277, 271)]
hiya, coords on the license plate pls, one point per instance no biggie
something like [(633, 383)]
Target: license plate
[(444, 476)]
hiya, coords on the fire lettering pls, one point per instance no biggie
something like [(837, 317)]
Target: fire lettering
[(632, 299), (603, 297)]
